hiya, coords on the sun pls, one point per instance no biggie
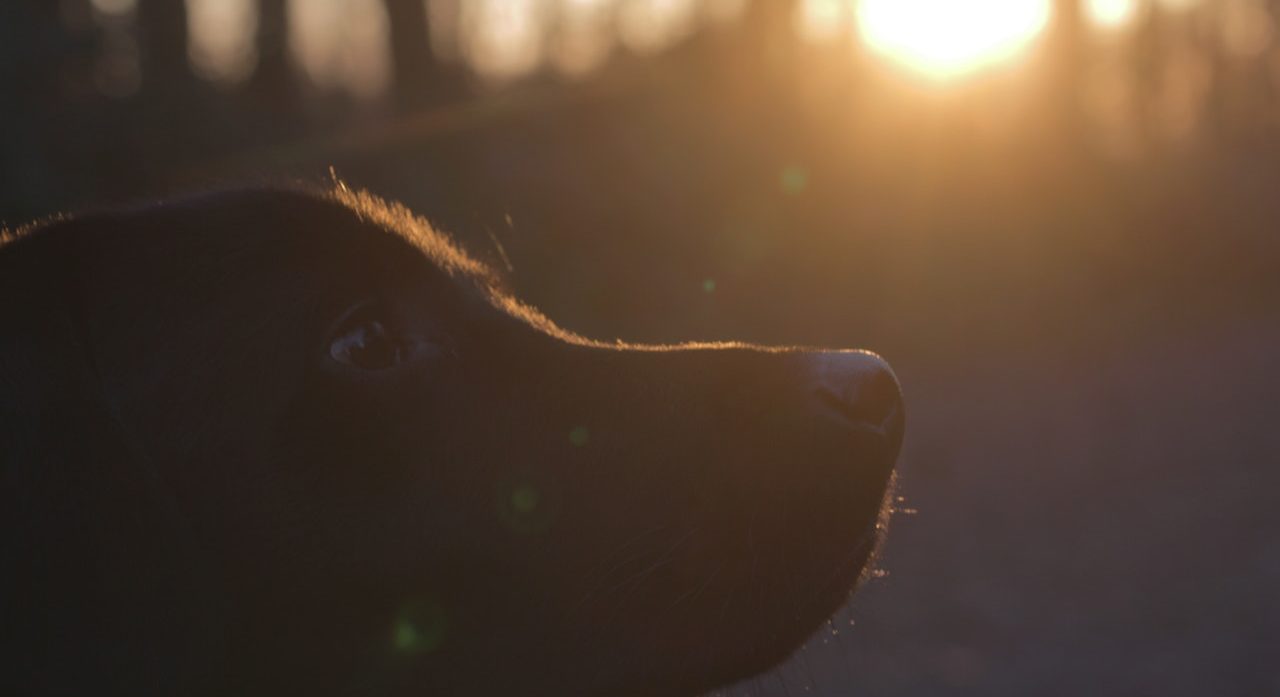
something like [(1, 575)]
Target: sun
[(945, 38)]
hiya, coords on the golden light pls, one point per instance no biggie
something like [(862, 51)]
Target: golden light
[(944, 38), (1111, 13), (504, 38), (584, 38), (822, 20), (1248, 29), (114, 7), (646, 26), (342, 44), (222, 33)]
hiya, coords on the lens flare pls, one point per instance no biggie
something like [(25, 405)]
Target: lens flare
[(944, 38), (419, 628)]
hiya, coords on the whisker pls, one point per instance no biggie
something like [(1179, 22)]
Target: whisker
[(695, 592), (603, 577), (667, 558)]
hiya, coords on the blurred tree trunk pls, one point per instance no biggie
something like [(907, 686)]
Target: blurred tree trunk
[(1211, 43), (162, 36), (274, 86), (770, 23), (416, 70), (768, 39), (1149, 58), (1067, 58), (34, 161), (31, 51)]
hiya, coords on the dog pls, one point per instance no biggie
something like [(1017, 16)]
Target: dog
[(298, 442)]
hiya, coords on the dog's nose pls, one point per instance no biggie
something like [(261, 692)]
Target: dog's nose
[(859, 387)]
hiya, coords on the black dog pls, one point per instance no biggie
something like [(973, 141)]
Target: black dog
[(280, 443)]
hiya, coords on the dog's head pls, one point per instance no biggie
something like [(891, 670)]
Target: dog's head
[(301, 440)]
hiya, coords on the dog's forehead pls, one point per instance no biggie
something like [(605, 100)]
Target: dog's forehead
[(352, 227), (242, 283), (226, 269), (334, 238)]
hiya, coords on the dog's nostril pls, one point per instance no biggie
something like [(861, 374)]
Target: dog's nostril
[(858, 386)]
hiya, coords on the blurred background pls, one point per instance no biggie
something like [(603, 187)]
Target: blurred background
[(1057, 219)]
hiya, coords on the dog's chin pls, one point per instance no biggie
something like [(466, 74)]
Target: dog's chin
[(768, 644), (783, 665), (778, 651)]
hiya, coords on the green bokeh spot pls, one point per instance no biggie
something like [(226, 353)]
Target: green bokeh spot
[(419, 629), (524, 499), (406, 635), (528, 504), (709, 285), (794, 179), (579, 436)]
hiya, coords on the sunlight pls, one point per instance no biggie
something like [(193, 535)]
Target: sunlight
[(117, 71), (723, 10), (342, 44), (114, 7), (222, 33), (1247, 28), (1111, 13), (944, 38), (504, 38), (585, 36), (652, 25), (822, 20)]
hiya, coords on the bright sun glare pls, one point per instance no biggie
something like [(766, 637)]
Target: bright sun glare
[(942, 38), (1111, 13)]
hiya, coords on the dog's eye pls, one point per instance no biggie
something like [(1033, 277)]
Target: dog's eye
[(366, 344)]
